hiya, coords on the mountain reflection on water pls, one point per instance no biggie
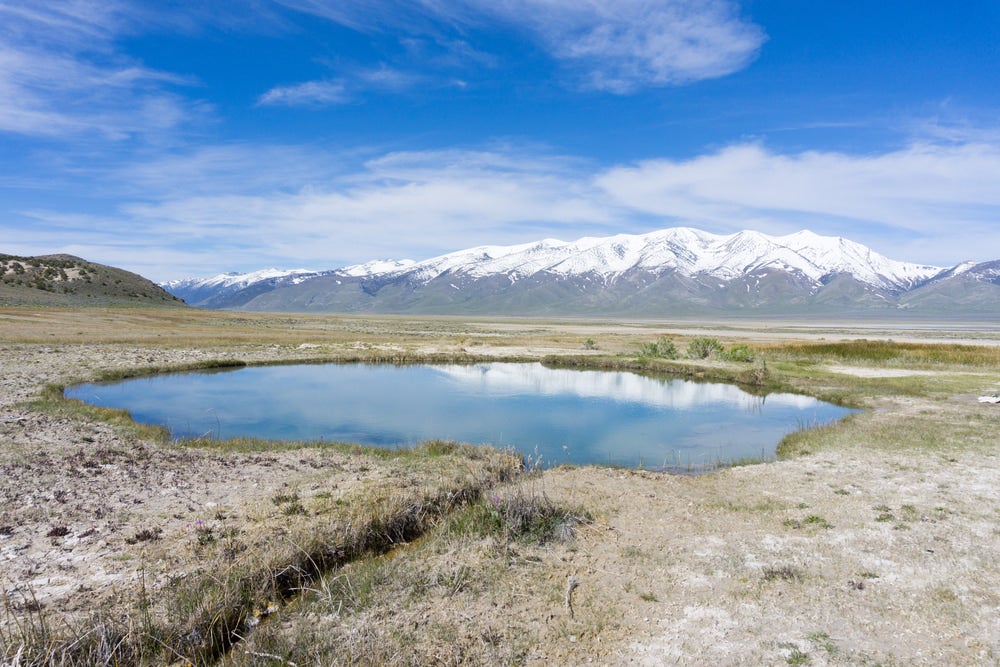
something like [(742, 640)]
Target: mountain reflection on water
[(556, 415)]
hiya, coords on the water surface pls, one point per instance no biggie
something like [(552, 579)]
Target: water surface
[(559, 415)]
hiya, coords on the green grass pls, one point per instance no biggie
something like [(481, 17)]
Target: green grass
[(54, 403), (948, 431), (520, 513), (797, 657), (890, 354), (781, 573)]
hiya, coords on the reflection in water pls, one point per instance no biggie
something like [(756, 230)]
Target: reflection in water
[(617, 386), (559, 415)]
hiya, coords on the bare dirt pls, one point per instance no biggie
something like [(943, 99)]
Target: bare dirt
[(86, 515), (855, 554), (846, 558)]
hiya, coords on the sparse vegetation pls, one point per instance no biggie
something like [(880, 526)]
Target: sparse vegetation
[(663, 348), (521, 513), (198, 618), (703, 348), (63, 280), (781, 573), (532, 578), (890, 354), (738, 353)]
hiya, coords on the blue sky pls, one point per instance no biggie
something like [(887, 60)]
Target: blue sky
[(178, 138)]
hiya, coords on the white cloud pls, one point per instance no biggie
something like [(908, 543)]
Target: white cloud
[(619, 47), (241, 207), (71, 24), (630, 44), (59, 75), (364, 16), (233, 169), (403, 203), (917, 190), (308, 93), (384, 77), (342, 90)]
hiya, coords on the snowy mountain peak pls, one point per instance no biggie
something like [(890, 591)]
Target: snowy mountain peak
[(233, 279), (686, 250), (659, 274)]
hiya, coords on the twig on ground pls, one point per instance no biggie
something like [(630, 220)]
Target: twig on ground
[(571, 585)]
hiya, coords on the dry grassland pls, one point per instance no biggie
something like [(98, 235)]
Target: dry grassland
[(872, 541)]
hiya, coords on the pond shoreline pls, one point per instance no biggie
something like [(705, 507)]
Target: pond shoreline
[(875, 543), (589, 416)]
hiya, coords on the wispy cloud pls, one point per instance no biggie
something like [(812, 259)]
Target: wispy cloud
[(922, 189), (920, 203), (631, 44), (233, 169), (367, 16), (309, 93), (60, 75), (409, 203), (349, 87), (71, 24), (618, 47)]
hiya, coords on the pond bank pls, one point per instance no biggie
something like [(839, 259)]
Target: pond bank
[(871, 548)]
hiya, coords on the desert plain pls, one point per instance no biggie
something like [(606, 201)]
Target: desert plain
[(873, 541)]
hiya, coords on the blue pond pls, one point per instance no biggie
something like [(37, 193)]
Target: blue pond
[(557, 415)]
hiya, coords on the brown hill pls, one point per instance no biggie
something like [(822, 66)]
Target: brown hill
[(65, 280)]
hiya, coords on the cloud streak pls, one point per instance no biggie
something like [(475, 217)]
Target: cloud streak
[(60, 76), (616, 47), (333, 210), (343, 90), (627, 45), (917, 189), (309, 93)]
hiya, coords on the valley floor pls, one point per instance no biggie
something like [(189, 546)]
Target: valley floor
[(877, 543)]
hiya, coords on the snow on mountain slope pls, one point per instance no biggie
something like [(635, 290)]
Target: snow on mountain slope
[(376, 267), (689, 251), (235, 280), (812, 259), (841, 255)]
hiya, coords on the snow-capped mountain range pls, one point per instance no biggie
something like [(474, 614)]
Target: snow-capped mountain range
[(671, 271)]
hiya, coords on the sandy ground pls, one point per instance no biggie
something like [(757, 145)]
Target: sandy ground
[(853, 555), (878, 372), (734, 571)]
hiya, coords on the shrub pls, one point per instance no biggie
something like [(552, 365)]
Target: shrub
[(663, 348), (702, 348), (739, 353)]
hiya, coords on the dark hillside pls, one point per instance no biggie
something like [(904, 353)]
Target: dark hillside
[(65, 280)]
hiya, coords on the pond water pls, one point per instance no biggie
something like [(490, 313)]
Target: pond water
[(555, 415)]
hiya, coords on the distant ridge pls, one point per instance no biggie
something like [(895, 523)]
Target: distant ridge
[(677, 271)]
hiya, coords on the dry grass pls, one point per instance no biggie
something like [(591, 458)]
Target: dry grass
[(241, 570), (378, 557), (399, 609)]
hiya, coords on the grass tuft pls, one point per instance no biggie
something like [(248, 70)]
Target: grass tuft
[(520, 514), (197, 618)]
